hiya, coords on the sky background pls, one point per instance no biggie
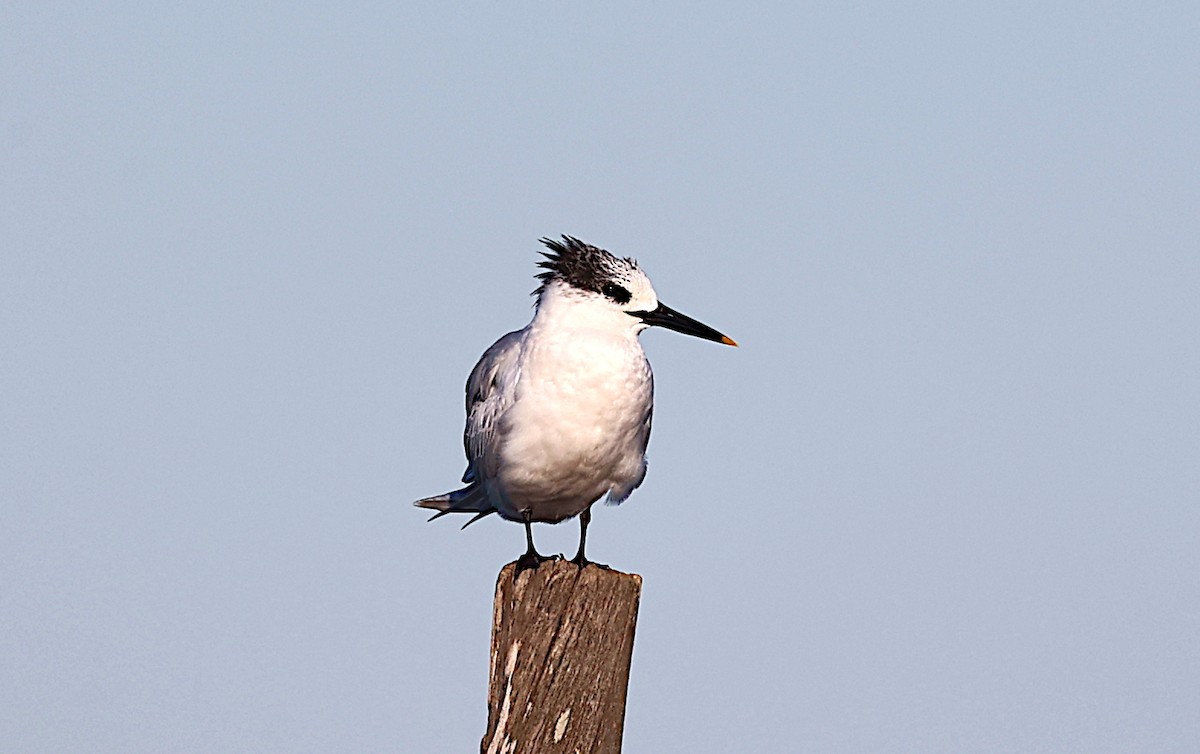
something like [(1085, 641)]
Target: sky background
[(942, 499)]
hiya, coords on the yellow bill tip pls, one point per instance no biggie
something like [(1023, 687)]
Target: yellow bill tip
[(728, 341)]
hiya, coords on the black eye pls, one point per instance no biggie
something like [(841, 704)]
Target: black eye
[(617, 293)]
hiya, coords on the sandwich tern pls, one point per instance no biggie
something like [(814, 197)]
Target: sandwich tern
[(559, 412)]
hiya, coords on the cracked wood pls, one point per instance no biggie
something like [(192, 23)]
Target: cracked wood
[(562, 640)]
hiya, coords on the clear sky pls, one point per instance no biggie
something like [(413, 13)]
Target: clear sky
[(942, 499)]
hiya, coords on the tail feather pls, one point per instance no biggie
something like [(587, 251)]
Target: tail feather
[(470, 499), (479, 515)]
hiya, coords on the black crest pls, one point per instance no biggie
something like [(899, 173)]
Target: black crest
[(580, 265)]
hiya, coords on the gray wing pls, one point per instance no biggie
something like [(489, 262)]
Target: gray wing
[(491, 389)]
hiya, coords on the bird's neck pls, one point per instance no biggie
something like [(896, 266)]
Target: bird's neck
[(566, 316)]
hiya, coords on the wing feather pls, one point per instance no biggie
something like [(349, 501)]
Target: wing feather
[(491, 389)]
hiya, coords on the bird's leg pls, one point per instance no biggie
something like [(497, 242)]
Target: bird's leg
[(580, 559), (531, 558)]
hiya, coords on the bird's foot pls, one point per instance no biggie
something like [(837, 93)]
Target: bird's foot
[(583, 562), (532, 559)]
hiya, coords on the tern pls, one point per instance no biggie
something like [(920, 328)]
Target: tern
[(559, 412)]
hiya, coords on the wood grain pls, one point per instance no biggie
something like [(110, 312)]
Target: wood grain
[(562, 640)]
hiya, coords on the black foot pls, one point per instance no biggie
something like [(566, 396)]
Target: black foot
[(583, 562), (580, 559), (532, 559)]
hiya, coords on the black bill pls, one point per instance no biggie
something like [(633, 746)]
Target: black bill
[(665, 316)]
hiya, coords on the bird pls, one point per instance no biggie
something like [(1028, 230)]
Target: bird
[(559, 412)]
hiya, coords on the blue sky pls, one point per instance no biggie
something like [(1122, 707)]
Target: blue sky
[(943, 498)]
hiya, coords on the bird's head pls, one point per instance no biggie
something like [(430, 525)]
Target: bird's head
[(611, 285)]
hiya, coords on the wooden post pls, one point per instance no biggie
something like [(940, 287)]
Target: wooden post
[(562, 640)]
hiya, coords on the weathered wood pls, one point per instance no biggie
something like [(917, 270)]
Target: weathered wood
[(562, 640)]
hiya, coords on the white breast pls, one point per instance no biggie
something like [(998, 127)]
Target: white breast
[(579, 422)]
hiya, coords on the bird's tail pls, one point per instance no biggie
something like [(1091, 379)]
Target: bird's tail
[(470, 499)]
